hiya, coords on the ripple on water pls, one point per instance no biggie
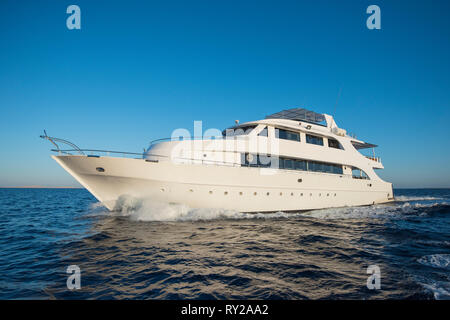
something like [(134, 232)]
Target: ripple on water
[(149, 250)]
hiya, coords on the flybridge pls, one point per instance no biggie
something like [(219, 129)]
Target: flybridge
[(299, 114), (304, 115)]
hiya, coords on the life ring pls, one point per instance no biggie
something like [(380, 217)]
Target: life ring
[(249, 157)]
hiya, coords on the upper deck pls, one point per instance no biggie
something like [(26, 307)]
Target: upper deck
[(303, 119)]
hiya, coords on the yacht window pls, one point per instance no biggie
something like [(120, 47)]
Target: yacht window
[(337, 169), (238, 131), (263, 133), (281, 163), (254, 160), (314, 166), (332, 143), (324, 167), (359, 174), (288, 164), (300, 165), (314, 140), (266, 161), (287, 135)]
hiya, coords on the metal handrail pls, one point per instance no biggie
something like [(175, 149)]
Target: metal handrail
[(76, 149), (144, 155), (68, 151), (190, 160), (54, 141), (181, 138), (376, 159)]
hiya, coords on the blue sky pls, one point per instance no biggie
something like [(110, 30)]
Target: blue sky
[(139, 69)]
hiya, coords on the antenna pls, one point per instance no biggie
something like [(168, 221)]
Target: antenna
[(337, 100)]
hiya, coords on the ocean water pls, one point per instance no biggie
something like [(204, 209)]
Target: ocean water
[(152, 250)]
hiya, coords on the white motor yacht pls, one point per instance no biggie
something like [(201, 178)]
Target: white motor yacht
[(292, 160)]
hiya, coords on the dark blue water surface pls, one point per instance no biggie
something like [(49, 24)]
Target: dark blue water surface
[(156, 251)]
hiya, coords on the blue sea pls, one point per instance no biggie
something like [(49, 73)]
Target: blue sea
[(151, 250)]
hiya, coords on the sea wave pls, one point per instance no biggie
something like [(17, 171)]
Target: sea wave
[(416, 198), (277, 256), (436, 261), (440, 290), (381, 211)]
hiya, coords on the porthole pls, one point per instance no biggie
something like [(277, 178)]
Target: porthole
[(335, 194), (190, 190), (255, 193), (328, 194), (299, 180), (320, 194), (292, 193), (268, 193), (210, 192), (100, 169), (240, 193), (162, 190), (225, 193), (310, 194), (301, 194), (281, 193)]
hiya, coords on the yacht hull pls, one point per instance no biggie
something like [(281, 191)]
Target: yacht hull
[(245, 189)]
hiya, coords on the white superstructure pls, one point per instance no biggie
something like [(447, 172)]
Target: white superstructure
[(289, 161)]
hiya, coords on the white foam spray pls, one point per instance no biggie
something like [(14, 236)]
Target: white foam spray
[(147, 209)]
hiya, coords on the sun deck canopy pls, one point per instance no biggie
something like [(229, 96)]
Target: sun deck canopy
[(363, 145), (299, 114)]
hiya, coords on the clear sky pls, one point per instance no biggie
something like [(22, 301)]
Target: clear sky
[(139, 69)]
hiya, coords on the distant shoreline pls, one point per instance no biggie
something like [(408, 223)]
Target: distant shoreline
[(40, 187)]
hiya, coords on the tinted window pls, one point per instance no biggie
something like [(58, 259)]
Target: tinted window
[(359, 174), (337, 169), (263, 133), (327, 168), (281, 163), (300, 165), (324, 167), (314, 139), (334, 144), (237, 131), (287, 135), (254, 160), (314, 166), (288, 164)]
